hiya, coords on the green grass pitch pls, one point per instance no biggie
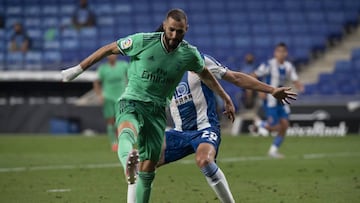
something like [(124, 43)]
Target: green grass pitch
[(83, 169)]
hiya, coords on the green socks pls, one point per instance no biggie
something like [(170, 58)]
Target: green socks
[(126, 142), (143, 187), (111, 133)]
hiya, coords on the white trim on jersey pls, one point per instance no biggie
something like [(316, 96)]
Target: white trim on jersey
[(216, 68), (199, 98), (175, 114)]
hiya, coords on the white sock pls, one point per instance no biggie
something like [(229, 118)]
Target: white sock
[(273, 149), (221, 187), (131, 194)]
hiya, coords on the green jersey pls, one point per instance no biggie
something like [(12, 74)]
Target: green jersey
[(154, 72), (113, 79)]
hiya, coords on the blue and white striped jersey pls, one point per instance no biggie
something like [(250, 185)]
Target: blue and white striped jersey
[(275, 75), (193, 106)]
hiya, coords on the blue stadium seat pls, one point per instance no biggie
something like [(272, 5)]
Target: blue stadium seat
[(67, 9), (66, 21), (69, 44), (336, 17), (343, 65), (262, 28), (315, 17), (355, 54), (50, 10), (327, 88), (296, 17), (311, 5), (302, 28), (243, 42), (14, 61), (32, 11), (219, 17), (293, 6), (259, 17), (310, 89), (278, 17), (102, 9), (51, 59), (105, 21), (50, 22), (347, 88), (32, 22), (255, 6), (69, 33), (238, 29), (237, 18), (2, 60), (262, 41), (235, 6), (279, 28), (36, 38), (302, 41), (333, 5), (33, 60), (14, 11), (52, 45)]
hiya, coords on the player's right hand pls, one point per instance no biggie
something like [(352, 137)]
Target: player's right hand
[(71, 73), (283, 94), (229, 109)]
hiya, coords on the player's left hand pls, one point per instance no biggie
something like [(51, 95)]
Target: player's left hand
[(229, 110), (283, 94)]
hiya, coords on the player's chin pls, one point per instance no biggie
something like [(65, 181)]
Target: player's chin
[(173, 43)]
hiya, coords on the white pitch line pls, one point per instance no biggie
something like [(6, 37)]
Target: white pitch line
[(59, 190), (222, 160)]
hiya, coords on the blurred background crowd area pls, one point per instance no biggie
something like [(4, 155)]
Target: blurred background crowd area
[(38, 38)]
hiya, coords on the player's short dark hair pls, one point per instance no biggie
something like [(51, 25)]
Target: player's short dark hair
[(177, 14), (281, 44)]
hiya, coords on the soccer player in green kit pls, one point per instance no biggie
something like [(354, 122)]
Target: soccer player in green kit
[(111, 83), (157, 64)]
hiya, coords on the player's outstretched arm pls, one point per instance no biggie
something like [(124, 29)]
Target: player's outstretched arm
[(213, 84), (248, 82), (71, 73)]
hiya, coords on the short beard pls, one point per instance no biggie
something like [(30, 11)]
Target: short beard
[(167, 41)]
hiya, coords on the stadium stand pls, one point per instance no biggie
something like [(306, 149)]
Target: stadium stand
[(226, 29), (344, 80)]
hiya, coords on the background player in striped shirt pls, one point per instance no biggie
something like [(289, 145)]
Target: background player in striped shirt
[(276, 72)]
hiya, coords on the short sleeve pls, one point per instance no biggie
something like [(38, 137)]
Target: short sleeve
[(216, 68), (293, 74), (197, 63), (131, 45), (262, 70)]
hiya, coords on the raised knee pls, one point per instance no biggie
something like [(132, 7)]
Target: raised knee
[(202, 161)]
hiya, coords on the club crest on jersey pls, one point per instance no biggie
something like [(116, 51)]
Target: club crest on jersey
[(125, 44)]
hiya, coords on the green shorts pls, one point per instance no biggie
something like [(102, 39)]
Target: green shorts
[(109, 108), (149, 120)]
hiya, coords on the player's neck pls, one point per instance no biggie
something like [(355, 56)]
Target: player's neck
[(280, 61)]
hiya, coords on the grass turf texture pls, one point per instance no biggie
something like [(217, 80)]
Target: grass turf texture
[(333, 178)]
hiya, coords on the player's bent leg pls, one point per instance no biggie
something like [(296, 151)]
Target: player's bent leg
[(162, 155), (279, 139), (205, 159), (128, 156)]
